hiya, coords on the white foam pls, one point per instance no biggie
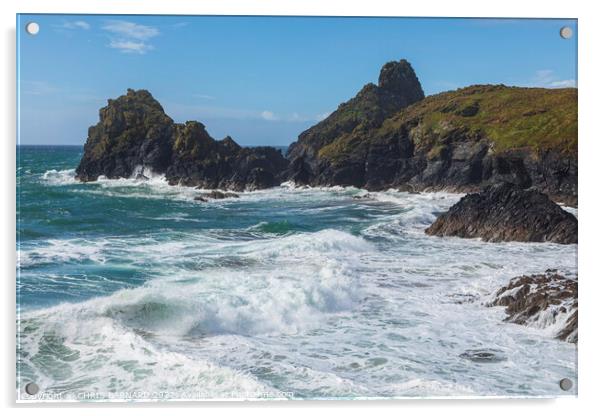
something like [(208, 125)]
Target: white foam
[(322, 314), (59, 177), (61, 251)]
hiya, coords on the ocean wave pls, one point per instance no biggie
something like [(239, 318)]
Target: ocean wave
[(61, 251), (364, 308), (59, 177), (294, 283), (72, 350)]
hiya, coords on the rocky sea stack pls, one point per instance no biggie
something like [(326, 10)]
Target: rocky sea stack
[(542, 300), (135, 136), (505, 212)]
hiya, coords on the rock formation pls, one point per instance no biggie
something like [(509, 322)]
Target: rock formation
[(388, 136), (134, 132), (505, 212), (205, 196), (542, 300)]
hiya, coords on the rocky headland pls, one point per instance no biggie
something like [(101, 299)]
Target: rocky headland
[(542, 300), (388, 136), (505, 212)]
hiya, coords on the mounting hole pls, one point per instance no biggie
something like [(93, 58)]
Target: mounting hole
[(32, 389), (32, 28), (566, 384), (566, 32)]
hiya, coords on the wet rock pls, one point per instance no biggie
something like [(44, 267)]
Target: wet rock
[(363, 197), (462, 298), (506, 212), (483, 355), (541, 300), (204, 197)]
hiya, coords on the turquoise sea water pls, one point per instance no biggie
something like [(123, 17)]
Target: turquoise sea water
[(132, 287)]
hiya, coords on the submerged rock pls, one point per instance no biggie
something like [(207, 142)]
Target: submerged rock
[(507, 213), (134, 134), (215, 195), (483, 356), (363, 197), (542, 300)]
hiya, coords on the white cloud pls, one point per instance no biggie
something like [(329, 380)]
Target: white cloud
[(130, 46), (547, 78), (77, 24), (268, 115), (130, 30), (129, 37)]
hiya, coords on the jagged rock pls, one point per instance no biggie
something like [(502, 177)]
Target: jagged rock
[(541, 300), (387, 136), (505, 212), (397, 88), (135, 132)]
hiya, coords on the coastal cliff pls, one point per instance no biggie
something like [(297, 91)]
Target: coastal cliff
[(388, 136), (463, 140)]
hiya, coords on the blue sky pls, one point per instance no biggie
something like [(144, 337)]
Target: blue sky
[(263, 80)]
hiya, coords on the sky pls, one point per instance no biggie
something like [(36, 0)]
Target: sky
[(263, 80)]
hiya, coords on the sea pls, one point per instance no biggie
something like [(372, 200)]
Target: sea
[(131, 290)]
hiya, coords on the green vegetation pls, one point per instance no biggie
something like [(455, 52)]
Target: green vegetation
[(508, 117)]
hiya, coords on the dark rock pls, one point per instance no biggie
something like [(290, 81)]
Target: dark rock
[(363, 197), (541, 300), (505, 212), (462, 298), (134, 132), (215, 195), (397, 88), (483, 356), (389, 136)]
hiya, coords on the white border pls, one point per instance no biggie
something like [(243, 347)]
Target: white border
[(590, 150)]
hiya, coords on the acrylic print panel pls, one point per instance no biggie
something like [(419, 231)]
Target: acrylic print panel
[(295, 208)]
